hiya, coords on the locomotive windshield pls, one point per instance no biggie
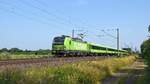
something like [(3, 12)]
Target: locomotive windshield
[(58, 40)]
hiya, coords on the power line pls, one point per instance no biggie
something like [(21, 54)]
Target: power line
[(66, 19), (43, 10), (109, 34), (58, 11), (12, 10), (18, 14)]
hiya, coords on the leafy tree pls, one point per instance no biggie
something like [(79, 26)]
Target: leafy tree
[(145, 50), (14, 50), (4, 50)]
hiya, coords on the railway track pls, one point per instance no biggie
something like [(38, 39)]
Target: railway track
[(52, 61)]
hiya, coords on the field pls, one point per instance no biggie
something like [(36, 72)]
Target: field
[(6, 56), (85, 72), (15, 53)]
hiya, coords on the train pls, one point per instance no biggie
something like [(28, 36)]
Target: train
[(68, 46)]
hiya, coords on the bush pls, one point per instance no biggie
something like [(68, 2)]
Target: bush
[(5, 56), (145, 51)]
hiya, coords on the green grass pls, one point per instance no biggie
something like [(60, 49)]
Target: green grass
[(91, 72)]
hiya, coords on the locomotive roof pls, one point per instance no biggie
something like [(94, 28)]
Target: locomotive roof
[(105, 46), (102, 46), (76, 39), (99, 45)]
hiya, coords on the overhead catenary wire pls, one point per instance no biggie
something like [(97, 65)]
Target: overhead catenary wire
[(27, 17), (12, 9), (62, 21), (109, 34), (65, 18), (44, 11)]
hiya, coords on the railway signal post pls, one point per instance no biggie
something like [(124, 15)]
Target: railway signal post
[(149, 29), (73, 33)]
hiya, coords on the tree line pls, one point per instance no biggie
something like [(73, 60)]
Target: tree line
[(18, 51)]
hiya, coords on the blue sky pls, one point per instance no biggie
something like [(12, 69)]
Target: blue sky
[(32, 24)]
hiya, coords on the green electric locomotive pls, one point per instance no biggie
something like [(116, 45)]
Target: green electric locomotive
[(67, 46)]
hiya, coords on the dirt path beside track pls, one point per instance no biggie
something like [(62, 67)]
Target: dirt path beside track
[(128, 75)]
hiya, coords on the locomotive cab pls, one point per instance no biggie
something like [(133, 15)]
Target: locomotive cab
[(58, 40), (58, 45)]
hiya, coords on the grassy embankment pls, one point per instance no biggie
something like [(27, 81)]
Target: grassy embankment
[(91, 72)]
